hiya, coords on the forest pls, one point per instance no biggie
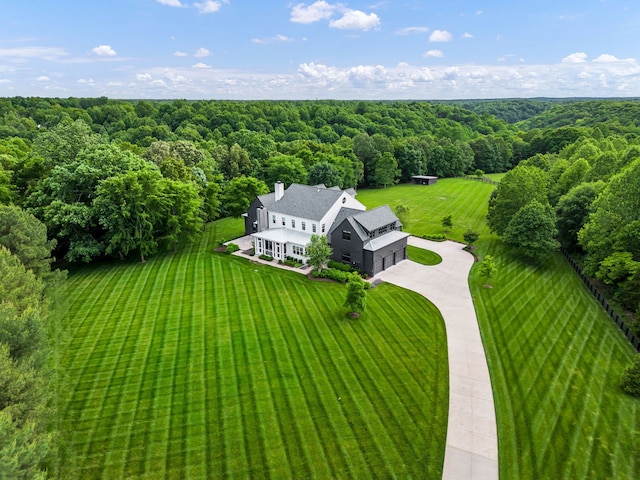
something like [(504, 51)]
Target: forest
[(82, 179)]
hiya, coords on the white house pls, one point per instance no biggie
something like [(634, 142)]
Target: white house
[(281, 223)]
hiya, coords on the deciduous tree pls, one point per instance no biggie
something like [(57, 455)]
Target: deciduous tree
[(318, 251), (356, 295)]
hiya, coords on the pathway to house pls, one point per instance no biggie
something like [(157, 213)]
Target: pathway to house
[(472, 439)]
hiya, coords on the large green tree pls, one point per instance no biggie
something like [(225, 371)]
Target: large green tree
[(318, 251), (356, 299), (386, 170), (516, 189), (533, 230), (239, 194)]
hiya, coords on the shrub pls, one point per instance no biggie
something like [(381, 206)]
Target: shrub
[(367, 285), (315, 273), (630, 381), (232, 247), (437, 237), (268, 258), (345, 267)]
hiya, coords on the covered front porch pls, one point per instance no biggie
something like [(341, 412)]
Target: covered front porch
[(281, 243)]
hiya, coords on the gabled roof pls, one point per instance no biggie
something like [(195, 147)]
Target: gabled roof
[(305, 201), (376, 218), (384, 240), (268, 199)]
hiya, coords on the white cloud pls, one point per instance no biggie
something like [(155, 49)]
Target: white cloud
[(411, 30), (86, 81), (209, 6), (356, 20), (181, 54), (5, 80), (466, 35), (104, 51), (44, 53), (274, 39), (315, 12), (170, 3), (440, 36), (201, 53), (115, 84), (201, 66), (606, 58), (43, 78), (578, 57), (143, 77), (434, 53)]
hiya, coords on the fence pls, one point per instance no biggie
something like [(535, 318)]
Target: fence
[(481, 179), (635, 341)]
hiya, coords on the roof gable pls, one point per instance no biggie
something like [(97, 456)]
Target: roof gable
[(306, 201), (376, 218)]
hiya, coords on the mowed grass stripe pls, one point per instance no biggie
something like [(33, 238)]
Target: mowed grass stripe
[(299, 443), (188, 392), (554, 369), (357, 402)]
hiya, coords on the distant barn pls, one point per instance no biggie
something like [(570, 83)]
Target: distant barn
[(424, 180)]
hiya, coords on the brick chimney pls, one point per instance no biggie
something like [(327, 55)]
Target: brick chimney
[(279, 190)]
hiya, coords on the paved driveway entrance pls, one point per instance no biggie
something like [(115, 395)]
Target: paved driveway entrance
[(472, 440)]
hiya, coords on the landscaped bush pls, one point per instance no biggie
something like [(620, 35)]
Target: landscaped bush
[(268, 258), (345, 267), (337, 275), (630, 381), (315, 273), (232, 247), (436, 237)]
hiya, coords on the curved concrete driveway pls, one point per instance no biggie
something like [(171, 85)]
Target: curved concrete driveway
[(472, 440)]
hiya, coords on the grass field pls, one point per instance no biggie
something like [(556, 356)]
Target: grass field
[(165, 386), (464, 200), (203, 365), (425, 257), (555, 360)]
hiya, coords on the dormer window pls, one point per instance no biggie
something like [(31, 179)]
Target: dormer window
[(346, 235)]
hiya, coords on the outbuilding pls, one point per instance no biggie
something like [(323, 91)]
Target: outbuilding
[(424, 180)]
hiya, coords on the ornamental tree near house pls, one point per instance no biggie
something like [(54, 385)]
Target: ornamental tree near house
[(356, 296), (318, 251), (487, 268)]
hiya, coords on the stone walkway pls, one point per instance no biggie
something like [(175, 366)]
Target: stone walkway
[(472, 440)]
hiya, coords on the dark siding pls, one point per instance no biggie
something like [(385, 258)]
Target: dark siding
[(354, 245), (386, 257), (252, 216)]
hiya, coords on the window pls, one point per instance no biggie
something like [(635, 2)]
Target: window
[(346, 235), (313, 228), (383, 230), (273, 218), (293, 223), (346, 256), (297, 250), (323, 228), (284, 221), (304, 226)]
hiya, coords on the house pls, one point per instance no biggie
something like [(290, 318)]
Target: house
[(281, 224)]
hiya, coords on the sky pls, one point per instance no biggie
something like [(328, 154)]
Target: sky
[(247, 50)]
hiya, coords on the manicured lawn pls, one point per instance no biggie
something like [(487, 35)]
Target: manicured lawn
[(425, 257), (465, 200), (203, 365), (555, 360)]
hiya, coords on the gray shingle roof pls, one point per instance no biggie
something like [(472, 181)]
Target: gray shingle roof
[(376, 218), (306, 201), (268, 199)]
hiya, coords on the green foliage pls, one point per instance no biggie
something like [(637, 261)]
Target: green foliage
[(533, 230), (334, 274), (447, 222), (268, 258), (356, 299), (488, 267), (617, 267), (239, 194), (345, 267), (630, 380), (318, 251), (324, 173), (26, 237), (232, 247), (386, 170), (403, 212), (516, 189), (572, 212), (470, 237)]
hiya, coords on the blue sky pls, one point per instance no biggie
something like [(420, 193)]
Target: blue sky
[(233, 49)]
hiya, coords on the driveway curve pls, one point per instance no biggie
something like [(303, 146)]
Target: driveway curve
[(472, 439)]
